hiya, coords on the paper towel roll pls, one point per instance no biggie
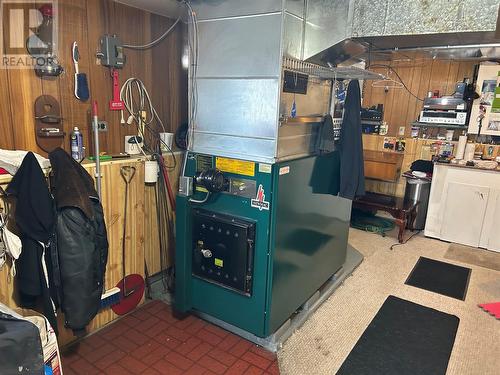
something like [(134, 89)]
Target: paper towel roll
[(469, 151), (150, 172), (462, 142)]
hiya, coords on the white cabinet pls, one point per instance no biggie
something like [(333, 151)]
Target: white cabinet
[(490, 236), (464, 206)]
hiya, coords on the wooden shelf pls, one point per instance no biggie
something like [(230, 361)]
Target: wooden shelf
[(446, 126), (382, 165)]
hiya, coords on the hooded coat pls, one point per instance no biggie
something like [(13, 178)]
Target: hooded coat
[(35, 217), (81, 240)]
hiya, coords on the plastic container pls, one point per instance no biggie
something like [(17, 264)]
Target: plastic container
[(384, 128), (150, 172), (167, 141), (76, 143), (449, 135)]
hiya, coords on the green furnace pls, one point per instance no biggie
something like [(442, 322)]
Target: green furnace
[(255, 252), (260, 228)]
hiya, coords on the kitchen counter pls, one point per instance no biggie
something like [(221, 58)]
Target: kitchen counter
[(456, 165)]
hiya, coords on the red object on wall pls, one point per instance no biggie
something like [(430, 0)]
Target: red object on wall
[(116, 104)]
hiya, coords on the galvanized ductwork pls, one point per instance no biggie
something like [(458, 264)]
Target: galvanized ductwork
[(241, 48), (347, 28), (241, 110), (242, 45)]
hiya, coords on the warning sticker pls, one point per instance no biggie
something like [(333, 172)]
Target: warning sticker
[(219, 262), (203, 162), (284, 170), (265, 168), (260, 200), (246, 168)]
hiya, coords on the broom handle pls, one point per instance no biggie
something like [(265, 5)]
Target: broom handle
[(95, 128)]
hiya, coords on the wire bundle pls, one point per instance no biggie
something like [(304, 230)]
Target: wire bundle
[(193, 71), (149, 125), (141, 111), (165, 218)]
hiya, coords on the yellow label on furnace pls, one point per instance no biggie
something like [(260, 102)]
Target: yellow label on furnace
[(219, 262), (246, 168)]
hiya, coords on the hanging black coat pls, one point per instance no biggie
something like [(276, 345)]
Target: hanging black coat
[(35, 217), (352, 174), (81, 240)]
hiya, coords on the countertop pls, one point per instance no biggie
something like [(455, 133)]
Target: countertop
[(455, 165)]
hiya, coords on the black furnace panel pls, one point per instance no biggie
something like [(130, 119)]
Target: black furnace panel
[(223, 249)]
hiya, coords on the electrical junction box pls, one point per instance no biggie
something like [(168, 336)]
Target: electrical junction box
[(111, 54)]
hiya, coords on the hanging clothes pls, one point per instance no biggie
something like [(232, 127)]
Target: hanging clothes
[(352, 175), (81, 240), (35, 217), (326, 136), (10, 245), (11, 160)]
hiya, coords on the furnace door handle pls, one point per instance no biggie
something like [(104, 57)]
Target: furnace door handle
[(206, 253)]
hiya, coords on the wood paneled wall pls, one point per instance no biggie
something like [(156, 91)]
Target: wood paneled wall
[(85, 22), (161, 71), (142, 244), (420, 76), (113, 200)]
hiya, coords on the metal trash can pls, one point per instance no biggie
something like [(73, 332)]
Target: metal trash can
[(418, 190)]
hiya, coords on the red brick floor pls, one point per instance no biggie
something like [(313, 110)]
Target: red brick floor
[(152, 341)]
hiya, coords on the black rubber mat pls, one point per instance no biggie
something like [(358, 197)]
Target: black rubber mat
[(403, 338), (440, 277)]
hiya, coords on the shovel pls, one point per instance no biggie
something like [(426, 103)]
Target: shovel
[(131, 286)]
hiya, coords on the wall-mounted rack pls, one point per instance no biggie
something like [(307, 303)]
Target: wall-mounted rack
[(321, 72), (302, 119), (48, 123)]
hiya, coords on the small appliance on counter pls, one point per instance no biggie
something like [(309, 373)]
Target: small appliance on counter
[(449, 110)]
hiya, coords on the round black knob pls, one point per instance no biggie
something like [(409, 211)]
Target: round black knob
[(211, 179)]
